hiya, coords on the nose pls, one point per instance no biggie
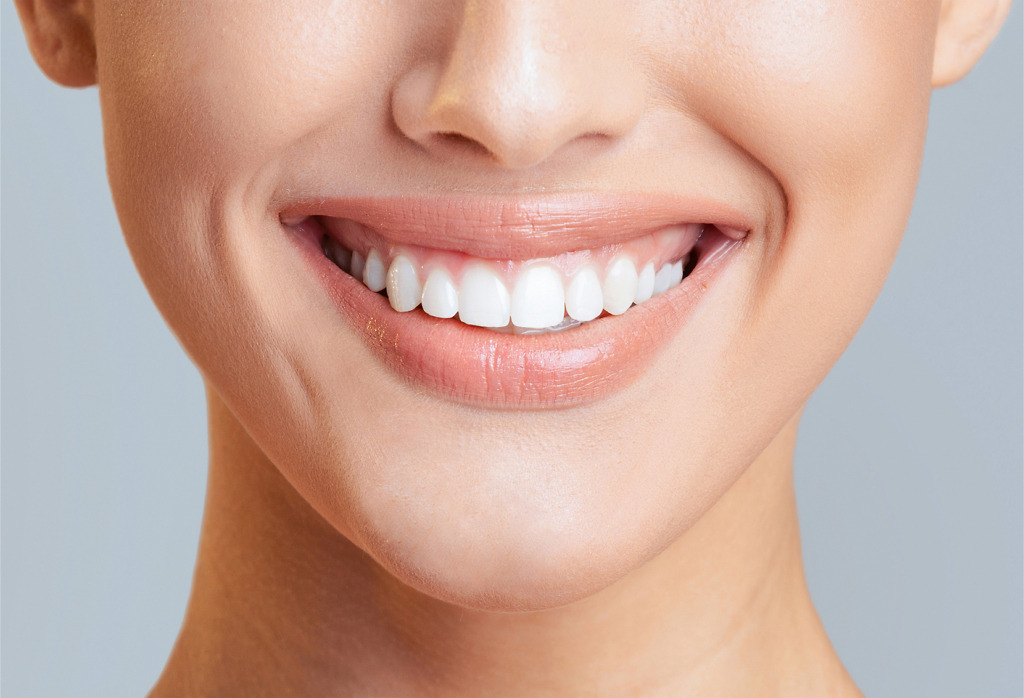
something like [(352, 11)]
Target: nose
[(520, 80)]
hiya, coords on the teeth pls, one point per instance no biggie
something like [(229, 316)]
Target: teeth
[(583, 299), (403, 285), (677, 274), (565, 324), (645, 284), (440, 297), (358, 262), (374, 274), (663, 280), (620, 284), (541, 301), (538, 299), (483, 298)]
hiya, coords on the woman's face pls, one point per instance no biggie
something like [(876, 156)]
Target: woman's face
[(499, 470)]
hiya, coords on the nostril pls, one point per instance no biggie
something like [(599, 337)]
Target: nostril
[(461, 142)]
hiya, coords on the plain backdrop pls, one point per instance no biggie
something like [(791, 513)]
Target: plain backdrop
[(909, 466)]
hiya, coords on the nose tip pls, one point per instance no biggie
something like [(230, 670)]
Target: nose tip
[(513, 90)]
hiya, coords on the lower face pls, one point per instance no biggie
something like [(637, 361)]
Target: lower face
[(512, 382)]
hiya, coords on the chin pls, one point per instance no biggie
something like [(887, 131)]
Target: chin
[(508, 528), (526, 565)]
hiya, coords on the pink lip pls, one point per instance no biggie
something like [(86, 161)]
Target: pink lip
[(475, 366), (523, 227)]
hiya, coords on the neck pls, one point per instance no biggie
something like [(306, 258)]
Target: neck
[(282, 604)]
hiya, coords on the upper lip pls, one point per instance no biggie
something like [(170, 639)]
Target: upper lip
[(522, 227)]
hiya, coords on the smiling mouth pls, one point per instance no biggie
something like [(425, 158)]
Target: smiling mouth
[(513, 302), (530, 296)]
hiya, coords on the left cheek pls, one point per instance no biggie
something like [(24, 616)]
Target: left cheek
[(832, 98), (832, 89)]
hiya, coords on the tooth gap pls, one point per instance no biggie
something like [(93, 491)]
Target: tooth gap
[(332, 249), (690, 263), (708, 236)]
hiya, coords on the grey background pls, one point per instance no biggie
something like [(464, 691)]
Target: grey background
[(909, 468)]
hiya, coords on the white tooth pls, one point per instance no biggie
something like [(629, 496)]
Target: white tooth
[(677, 274), (619, 288), (645, 284), (375, 276), (663, 280), (440, 297), (483, 298), (358, 261), (403, 285), (538, 299), (583, 299)]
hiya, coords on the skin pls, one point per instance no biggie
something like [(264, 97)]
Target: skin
[(364, 537)]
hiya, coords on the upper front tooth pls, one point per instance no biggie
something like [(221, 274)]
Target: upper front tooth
[(583, 299), (483, 298), (403, 285), (440, 297), (645, 284), (374, 273), (620, 284), (663, 280), (538, 299)]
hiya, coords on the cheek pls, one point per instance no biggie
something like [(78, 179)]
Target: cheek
[(228, 83), (831, 99), (820, 89), (203, 103)]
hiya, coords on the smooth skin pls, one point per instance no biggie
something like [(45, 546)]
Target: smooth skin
[(363, 537)]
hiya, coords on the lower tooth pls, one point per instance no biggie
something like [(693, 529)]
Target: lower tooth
[(566, 324)]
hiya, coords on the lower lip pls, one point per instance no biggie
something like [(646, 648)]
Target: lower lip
[(482, 368)]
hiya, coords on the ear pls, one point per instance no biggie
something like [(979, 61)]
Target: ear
[(966, 28), (60, 37)]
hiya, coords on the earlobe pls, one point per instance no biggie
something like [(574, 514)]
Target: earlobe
[(966, 28), (60, 37)]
